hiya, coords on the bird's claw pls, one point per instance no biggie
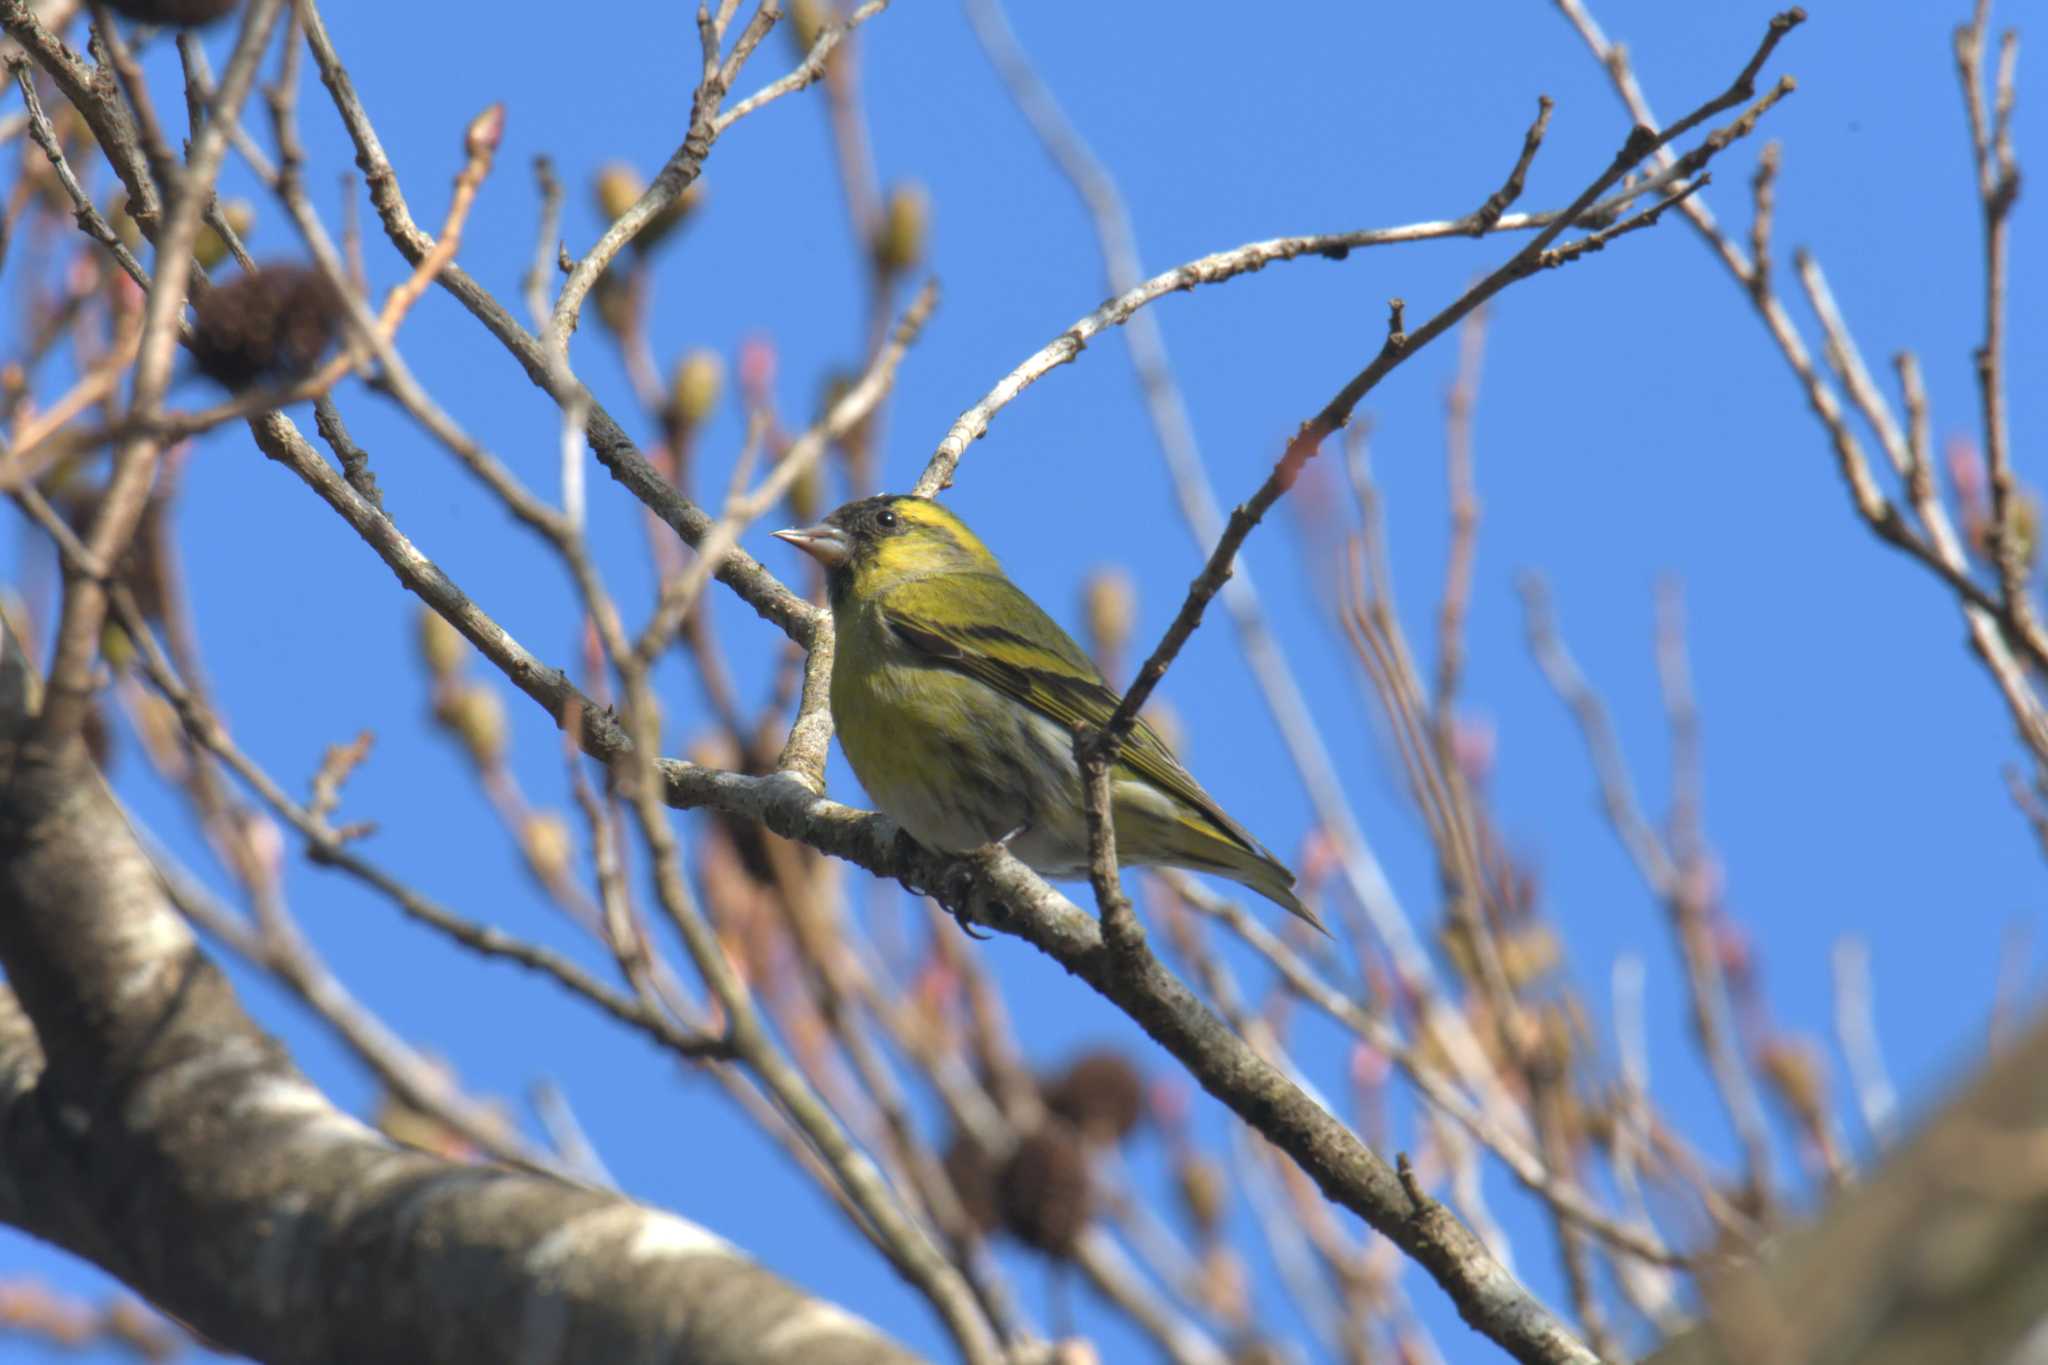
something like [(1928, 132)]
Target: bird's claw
[(953, 889), (958, 898)]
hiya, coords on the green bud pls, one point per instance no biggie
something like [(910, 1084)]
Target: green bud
[(2024, 528), (617, 188), (679, 211), (856, 443), (694, 391), (115, 647), (906, 224), (617, 302), (1109, 603), (211, 248), (545, 840), (124, 225), (807, 21), (807, 495), (475, 716), (441, 644)]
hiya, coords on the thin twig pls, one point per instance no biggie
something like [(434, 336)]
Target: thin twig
[(1307, 442), (1856, 1031), (85, 602), (1296, 720), (808, 71), (1677, 886)]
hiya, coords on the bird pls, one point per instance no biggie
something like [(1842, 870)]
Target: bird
[(957, 700)]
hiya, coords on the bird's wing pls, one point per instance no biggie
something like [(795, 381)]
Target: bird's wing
[(985, 626)]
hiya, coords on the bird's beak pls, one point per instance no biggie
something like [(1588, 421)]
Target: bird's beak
[(825, 543)]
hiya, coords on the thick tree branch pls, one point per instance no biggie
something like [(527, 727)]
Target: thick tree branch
[(1939, 1256), (149, 1126)]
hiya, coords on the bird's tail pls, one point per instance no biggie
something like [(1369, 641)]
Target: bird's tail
[(1187, 839), (1265, 874)]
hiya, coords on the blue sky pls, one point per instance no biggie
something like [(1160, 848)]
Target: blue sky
[(1633, 423)]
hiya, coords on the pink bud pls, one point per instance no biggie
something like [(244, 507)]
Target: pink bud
[(1368, 1067), (1474, 744), (757, 368), (1168, 1102), (1966, 468), (486, 131)]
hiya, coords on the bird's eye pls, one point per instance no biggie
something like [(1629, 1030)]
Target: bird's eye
[(886, 520)]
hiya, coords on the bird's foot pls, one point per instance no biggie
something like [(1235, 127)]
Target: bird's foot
[(952, 888), (957, 895)]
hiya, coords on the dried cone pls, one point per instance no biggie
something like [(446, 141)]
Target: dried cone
[(183, 13), (1101, 1094), (271, 326), (973, 1177), (1043, 1192)]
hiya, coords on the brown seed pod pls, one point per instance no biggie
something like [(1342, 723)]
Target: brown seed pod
[(183, 13), (272, 326), (1100, 1093), (1043, 1192)]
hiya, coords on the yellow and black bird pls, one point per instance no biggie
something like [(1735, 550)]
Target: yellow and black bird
[(957, 700)]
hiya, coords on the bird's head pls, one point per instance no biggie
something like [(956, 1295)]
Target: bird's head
[(867, 545)]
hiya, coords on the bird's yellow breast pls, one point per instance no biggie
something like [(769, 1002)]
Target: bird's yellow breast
[(918, 738)]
